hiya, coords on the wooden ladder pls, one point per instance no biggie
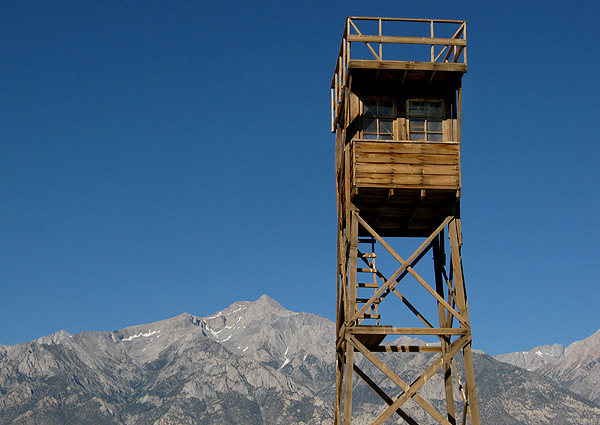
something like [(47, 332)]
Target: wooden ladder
[(368, 256)]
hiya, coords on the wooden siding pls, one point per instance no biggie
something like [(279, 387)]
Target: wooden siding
[(403, 164)]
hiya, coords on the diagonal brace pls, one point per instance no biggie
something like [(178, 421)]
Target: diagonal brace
[(455, 347), (397, 380), (391, 282), (382, 394)]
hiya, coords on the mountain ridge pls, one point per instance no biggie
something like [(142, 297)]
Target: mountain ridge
[(254, 362)]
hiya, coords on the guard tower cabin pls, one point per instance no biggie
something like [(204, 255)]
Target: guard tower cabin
[(396, 112)]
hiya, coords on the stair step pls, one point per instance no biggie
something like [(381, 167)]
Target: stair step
[(368, 255), (367, 285), (364, 300)]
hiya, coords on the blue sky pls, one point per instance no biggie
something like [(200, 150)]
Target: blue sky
[(162, 157)]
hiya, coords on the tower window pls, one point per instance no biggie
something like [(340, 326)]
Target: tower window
[(378, 120), (425, 120)]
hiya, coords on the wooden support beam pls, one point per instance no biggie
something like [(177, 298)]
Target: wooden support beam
[(407, 40), (339, 379), (402, 298), (461, 301), (411, 392), (406, 266), (349, 367), (406, 349), (392, 330), (412, 308), (398, 381), (383, 395), (378, 57), (438, 262), (404, 65)]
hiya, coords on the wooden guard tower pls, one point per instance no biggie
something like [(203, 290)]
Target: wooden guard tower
[(396, 115)]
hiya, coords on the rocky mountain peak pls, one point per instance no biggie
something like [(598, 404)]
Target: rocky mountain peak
[(584, 351), (55, 338), (534, 358)]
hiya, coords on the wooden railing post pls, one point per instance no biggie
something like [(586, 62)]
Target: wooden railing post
[(432, 48), (380, 44)]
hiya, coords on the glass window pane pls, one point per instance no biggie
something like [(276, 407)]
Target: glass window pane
[(434, 125), (434, 109), (370, 109), (386, 109), (370, 136), (386, 126), (434, 137), (385, 137), (416, 108), (417, 136), (370, 125), (417, 125)]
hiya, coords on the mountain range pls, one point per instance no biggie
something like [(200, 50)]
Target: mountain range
[(577, 367), (259, 363)]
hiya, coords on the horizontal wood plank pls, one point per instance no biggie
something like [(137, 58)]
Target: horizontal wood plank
[(391, 330), (404, 164), (410, 169), (405, 179), (406, 349), (407, 147), (407, 40), (407, 65), (407, 159)]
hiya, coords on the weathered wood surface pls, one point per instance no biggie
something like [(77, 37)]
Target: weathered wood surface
[(399, 188), (409, 65), (398, 164)]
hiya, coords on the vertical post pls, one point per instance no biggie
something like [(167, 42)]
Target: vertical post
[(439, 261), (461, 302), (465, 38), (352, 263), (380, 44), (459, 113), (432, 49), (339, 379), (352, 223), (349, 350)]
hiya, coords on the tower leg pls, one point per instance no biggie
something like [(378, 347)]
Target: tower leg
[(339, 379), (461, 300), (439, 261), (349, 366)]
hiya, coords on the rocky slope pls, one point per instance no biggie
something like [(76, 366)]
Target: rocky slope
[(252, 363), (534, 358), (576, 367), (580, 369)]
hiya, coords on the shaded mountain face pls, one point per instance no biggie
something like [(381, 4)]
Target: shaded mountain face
[(252, 363)]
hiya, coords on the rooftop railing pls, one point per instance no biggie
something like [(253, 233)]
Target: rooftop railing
[(379, 39)]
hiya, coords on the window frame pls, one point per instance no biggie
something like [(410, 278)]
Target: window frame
[(378, 133), (426, 119)]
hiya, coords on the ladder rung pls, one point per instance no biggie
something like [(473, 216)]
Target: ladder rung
[(364, 300), (370, 316), (366, 270), (368, 255), (367, 285)]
